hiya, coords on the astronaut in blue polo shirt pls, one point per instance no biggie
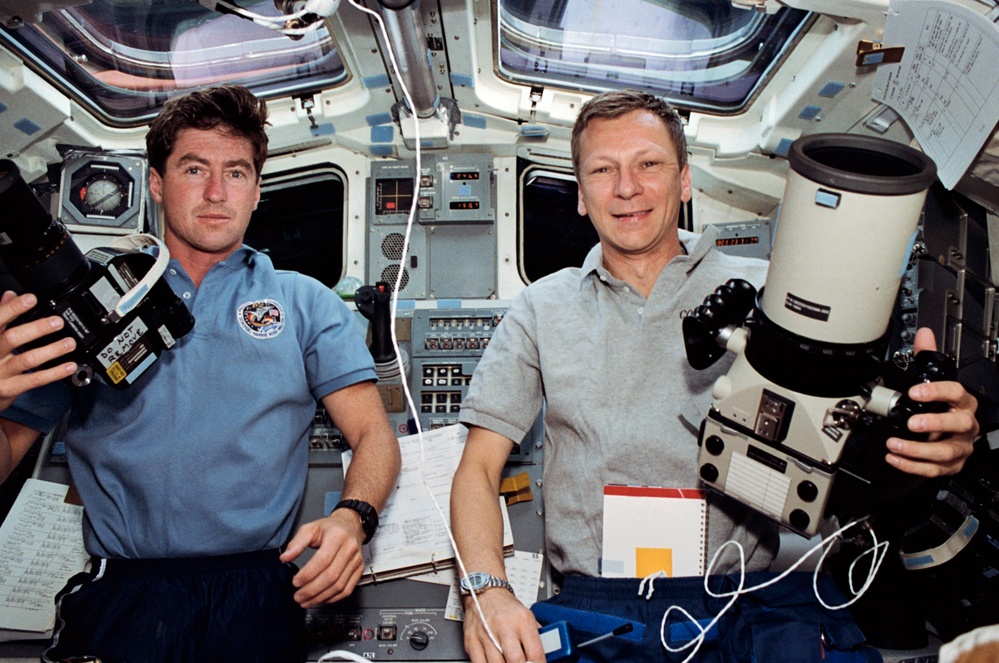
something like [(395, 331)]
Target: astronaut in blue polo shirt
[(191, 478)]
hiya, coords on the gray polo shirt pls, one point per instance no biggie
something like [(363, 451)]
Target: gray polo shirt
[(621, 402)]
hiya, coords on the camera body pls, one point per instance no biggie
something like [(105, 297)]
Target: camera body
[(805, 392), (118, 350), (772, 448), (113, 301)]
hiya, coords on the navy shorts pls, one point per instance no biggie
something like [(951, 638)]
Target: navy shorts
[(230, 608), (782, 623)]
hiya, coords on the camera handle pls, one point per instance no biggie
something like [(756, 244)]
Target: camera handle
[(896, 406), (134, 297), (927, 366)]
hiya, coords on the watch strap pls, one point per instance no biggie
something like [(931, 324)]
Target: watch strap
[(490, 582), (369, 517)]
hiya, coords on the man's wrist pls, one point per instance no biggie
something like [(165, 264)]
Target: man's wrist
[(477, 582), (366, 512)]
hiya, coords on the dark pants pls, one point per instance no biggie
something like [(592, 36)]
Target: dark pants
[(780, 624), (215, 609)]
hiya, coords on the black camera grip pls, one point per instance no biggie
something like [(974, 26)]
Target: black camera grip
[(928, 366)]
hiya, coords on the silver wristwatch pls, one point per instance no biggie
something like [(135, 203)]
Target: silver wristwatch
[(479, 581)]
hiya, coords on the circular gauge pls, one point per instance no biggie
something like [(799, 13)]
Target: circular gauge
[(102, 195), (103, 191)]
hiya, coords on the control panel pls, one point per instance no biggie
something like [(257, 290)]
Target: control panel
[(389, 633), (447, 345), (443, 346), (456, 209)]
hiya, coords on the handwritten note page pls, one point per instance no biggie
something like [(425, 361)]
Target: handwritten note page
[(413, 529), (945, 87), (41, 547)]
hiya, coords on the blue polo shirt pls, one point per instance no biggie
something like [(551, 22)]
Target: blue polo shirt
[(207, 453)]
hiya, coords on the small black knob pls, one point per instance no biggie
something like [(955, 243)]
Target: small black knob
[(799, 519), (808, 491), (714, 445), (419, 640), (709, 472)]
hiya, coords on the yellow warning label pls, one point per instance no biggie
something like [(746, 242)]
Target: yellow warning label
[(116, 372)]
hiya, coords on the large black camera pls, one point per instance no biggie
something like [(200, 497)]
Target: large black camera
[(113, 300)]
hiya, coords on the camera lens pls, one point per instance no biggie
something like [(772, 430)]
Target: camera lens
[(35, 247)]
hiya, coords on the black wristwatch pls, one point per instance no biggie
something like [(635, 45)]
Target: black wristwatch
[(369, 517)]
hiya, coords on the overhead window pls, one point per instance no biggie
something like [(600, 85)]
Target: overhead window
[(124, 59), (702, 54)]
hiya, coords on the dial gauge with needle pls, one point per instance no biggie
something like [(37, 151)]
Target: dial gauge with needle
[(103, 195), (103, 191)]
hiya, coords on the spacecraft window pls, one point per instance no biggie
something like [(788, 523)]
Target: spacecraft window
[(552, 233), (122, 60), (299, 223), (706, 54)]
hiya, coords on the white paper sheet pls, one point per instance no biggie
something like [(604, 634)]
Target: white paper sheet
[(945, 87), (41, 547)]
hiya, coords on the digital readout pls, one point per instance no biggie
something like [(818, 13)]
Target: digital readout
[(736, 241)]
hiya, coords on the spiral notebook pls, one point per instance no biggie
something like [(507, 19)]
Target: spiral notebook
[(649, 529)]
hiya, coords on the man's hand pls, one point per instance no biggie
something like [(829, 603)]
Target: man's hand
[(14, 376), (337, 565), (951, 434), (511, 623)]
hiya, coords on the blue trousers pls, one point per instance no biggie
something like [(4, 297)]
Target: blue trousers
[(779, 624), (216, 609)]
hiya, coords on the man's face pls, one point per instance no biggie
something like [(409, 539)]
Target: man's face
[(631, 185), (208, 191)]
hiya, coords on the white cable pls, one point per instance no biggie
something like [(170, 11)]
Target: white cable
[(321, 8), (395, 300), (878, 550), (272, 22), (340, 655)]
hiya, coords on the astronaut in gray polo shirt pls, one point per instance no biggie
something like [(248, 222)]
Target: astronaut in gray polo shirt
[(601, 347)]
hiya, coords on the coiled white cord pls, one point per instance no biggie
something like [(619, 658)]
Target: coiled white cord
[(878, 550)]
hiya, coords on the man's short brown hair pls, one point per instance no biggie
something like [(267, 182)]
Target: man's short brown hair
[(613, 104), (230, 108)]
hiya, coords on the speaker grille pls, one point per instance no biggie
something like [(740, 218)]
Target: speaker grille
[(391, 273), (392, 246)]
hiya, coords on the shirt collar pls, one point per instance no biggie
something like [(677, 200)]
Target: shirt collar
[(242, 255), (696, 246)]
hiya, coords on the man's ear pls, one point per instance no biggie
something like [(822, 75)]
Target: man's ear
[(156, 186), (685, 184), (580, 205)]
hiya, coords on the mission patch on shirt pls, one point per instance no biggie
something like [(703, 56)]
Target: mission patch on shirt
[(263, 319)]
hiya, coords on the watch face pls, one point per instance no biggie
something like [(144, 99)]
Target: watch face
[(475, 581)]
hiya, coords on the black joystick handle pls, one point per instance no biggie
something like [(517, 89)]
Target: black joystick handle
[(728, 305), (928, 366), (374, 303)]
